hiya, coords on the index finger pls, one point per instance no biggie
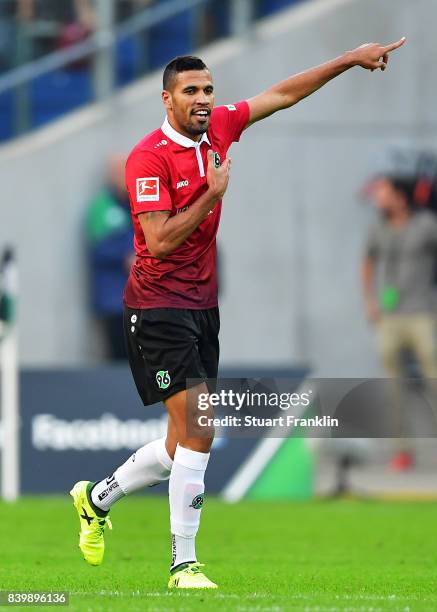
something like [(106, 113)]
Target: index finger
[(395, 45)]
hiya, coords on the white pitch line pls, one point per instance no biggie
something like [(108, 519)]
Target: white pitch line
[(291, 596)]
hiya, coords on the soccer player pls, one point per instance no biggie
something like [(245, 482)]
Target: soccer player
[(176, 178)]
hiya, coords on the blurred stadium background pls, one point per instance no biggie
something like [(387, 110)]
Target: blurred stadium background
[(80, 82)]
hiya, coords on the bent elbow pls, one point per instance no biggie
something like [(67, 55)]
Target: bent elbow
[(161, 255), (159, 250)]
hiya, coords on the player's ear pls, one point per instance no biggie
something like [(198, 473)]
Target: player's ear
[(166, 99)]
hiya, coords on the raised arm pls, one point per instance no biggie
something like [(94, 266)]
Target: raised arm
[(370, 56)]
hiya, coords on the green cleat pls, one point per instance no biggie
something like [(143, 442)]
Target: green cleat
[(92, 526), (189, 576)]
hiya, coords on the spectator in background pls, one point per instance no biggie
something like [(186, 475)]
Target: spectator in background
[(50, 24), (56, 10), (110, 248), (398, 276)]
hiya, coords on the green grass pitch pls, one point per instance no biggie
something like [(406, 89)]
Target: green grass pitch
[(316, 556)]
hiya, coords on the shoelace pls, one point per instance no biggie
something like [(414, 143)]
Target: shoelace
[(101, 528)]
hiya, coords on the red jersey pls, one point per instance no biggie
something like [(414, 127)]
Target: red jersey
[(167, 171)]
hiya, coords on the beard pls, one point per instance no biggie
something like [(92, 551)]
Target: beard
[(197, 130)]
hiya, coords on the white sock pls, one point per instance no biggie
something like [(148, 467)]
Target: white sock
[(186, 490), (106, 492), (148, 466)]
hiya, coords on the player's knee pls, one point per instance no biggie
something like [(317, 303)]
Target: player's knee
[(201, 445), (207, 443)]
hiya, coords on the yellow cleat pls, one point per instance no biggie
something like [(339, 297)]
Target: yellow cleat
[(189, 576), (92, 526)]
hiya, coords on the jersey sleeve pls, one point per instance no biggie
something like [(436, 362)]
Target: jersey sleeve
[(231, 119), (147, 183)]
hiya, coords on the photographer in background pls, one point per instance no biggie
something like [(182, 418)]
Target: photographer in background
[(398, 276)]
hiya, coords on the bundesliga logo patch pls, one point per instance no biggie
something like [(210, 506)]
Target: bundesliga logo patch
[(148, 189)]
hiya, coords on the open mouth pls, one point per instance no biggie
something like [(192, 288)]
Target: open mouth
[(202, 114)]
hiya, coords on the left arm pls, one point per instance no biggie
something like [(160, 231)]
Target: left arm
[(287, 93)]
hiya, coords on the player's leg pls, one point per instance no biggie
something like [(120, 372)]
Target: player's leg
[(194, 446), (151, 464), (148, 466), (186, 488)]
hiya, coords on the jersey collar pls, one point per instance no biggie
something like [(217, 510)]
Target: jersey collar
[(180, 139)]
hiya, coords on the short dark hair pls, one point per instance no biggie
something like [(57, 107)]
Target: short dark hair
[(405, 185), (181, 63)]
